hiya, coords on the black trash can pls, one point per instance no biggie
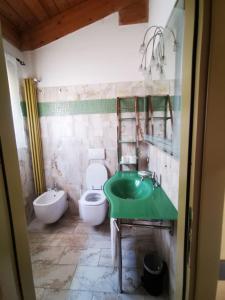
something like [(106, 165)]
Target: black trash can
[(153, 277)]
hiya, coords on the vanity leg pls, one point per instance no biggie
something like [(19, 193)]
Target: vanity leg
[(119, 257)]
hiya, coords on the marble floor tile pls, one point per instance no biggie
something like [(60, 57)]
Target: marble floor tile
[(129, 257), (72, 260), (71, 256), (64, 225), (138, 243), (104, 279), (104, 296), (105, 258), (138, 297), (69, 217), (63, 228), (39, 292), (56, 294), (43, 239), (99, 242), (37, 226), (99, 279), (133, 297), (101, 230), (71, 220), (46, 254), (71, 240), (53, 276), (125, 296), (88, 257), (132, 281)]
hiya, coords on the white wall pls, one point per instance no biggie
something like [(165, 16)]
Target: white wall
[(159, 11), (99, 53), (10, 50), (159, 14)]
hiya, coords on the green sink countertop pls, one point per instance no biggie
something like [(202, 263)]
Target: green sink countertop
[(131, 198)]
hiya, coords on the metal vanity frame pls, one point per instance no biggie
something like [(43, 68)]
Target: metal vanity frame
[(118, 223)]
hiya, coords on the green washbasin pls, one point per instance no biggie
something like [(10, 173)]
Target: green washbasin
[(130, 188), (132, 198)]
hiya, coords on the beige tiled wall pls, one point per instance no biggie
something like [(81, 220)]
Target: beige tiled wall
[(66, 139), (168, 167), (26, 180), (105, 90)]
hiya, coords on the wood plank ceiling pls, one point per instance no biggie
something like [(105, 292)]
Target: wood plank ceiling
[(30, 24)]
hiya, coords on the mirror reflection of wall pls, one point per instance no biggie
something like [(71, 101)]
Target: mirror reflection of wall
[(163, 131), (163, 79)]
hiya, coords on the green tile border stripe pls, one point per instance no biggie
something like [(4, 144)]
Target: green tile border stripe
[(97, 106)]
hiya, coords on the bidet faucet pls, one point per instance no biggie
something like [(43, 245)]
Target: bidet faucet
[(55, 187)]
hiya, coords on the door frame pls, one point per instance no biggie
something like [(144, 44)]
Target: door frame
[(212, 183), (13, 187), (199, 114), (207, 172), (9, 284), (205, 245), (185, 144)]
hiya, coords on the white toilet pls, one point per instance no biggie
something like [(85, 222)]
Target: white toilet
[(93, 204)]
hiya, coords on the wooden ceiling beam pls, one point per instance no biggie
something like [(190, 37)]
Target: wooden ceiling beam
[(70, 20), (50, 7), (62, 5), (37, 9), (23, 11), (11, 15), (134, 13), (74, 2), (9, 32)]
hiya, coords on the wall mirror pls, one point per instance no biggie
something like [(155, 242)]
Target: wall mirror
[(161, 66)]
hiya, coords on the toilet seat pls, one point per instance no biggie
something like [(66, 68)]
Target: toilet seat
[(93, 204), (93, 198), (96, 176)]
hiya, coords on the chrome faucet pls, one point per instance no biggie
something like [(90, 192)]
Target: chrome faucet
[(155, 180), (149, 174), (145, 174)]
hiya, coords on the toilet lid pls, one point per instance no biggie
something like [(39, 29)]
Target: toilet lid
[(96, 176)]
